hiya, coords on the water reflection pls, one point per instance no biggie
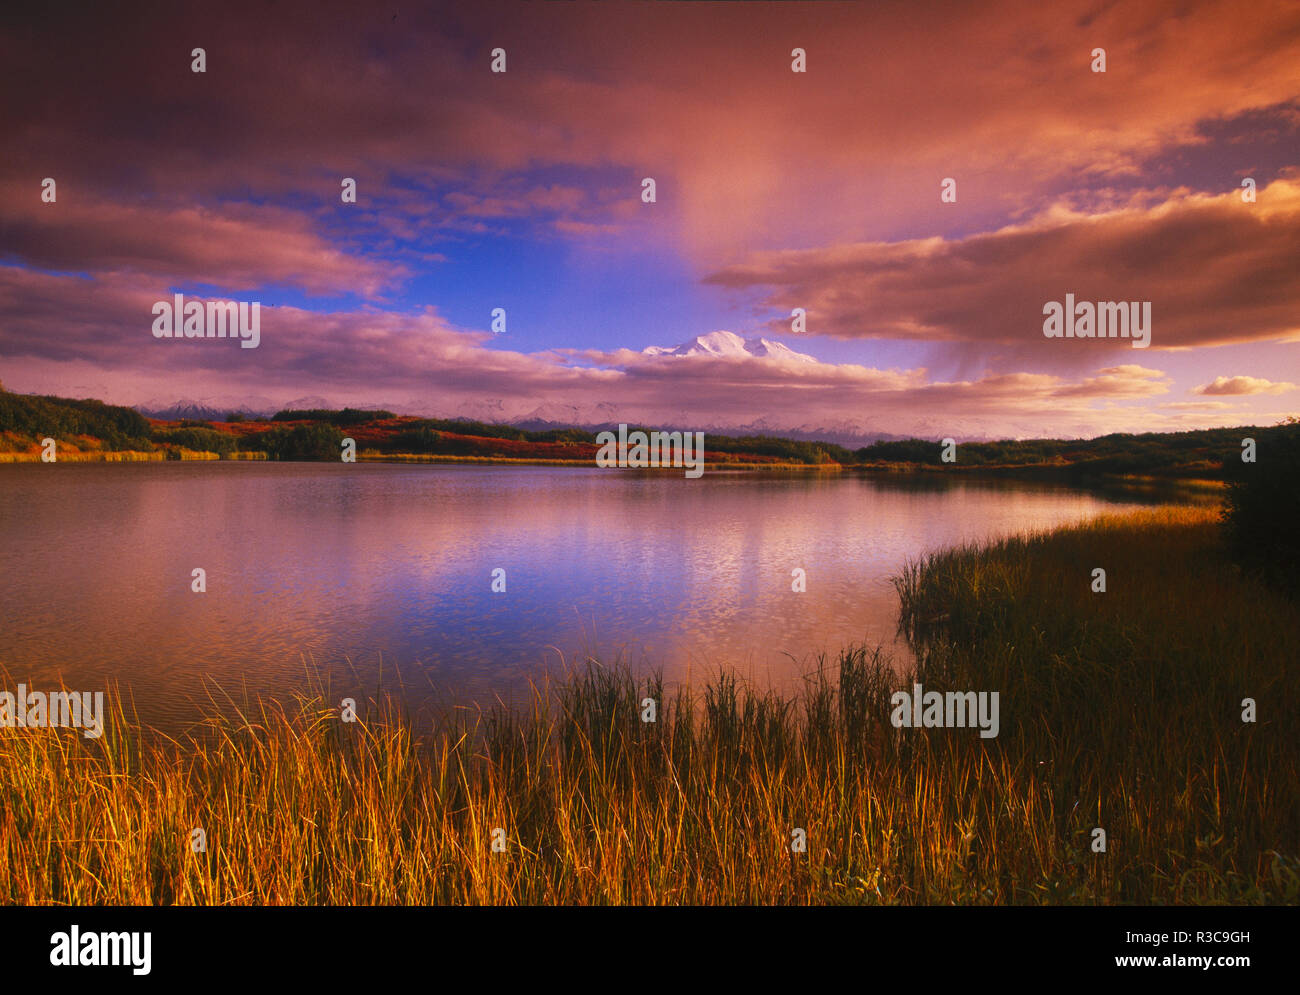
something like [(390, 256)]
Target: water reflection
[(384, 572)]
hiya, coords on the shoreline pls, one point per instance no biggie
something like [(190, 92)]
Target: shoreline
[(1063, 473)]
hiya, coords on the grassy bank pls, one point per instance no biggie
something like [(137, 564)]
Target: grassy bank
[(1119, 710), (317, 435), (128, 456), (1129, 702), (123, 456)]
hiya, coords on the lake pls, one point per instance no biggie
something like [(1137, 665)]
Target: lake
[(377, 572)]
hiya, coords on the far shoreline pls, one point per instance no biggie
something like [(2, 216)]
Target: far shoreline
[(1056, 473), (39, 428)]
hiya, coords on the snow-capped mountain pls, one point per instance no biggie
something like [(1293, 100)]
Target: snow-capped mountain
[(184, 409), (216, 408), (724, 344), (596, 417)]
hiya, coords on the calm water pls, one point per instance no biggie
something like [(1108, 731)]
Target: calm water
[(380, 568)]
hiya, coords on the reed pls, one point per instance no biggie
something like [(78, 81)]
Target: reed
[(1119, 710), (90, 456)]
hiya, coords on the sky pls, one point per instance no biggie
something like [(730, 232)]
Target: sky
[(774, 190)]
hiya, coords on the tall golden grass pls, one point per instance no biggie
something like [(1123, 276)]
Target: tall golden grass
[(1118, 710), (92, 456)]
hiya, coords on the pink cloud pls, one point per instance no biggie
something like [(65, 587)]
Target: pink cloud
[(239, 247), (747, 153), (1243, 385), (65, 330), (991, 288)]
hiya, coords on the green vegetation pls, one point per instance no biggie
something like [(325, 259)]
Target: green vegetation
[(348, 416), (198, 439), (34, 417), (313, 441), (1178, 454), (309, 434), (1262, 511), (429, 435), (430, 431), (1199, 453), (1124, 709), (1119, 710), (790, 450)]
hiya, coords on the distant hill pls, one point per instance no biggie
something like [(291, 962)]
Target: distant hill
[(1199, 453), (26, 419), (316, 433), (847, 434), (216, 409)]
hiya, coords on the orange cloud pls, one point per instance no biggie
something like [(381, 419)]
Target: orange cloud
[(991, 288), (239, 247)]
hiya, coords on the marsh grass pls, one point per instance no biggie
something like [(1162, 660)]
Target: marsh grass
[(91, 456), (1119, 710)]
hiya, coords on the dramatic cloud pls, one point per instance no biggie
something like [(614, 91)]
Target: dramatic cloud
[(700, 96), (991, 288), (775, 190), (239, 247), (434, 368)]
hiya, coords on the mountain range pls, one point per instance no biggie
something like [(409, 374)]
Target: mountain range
[(729, 345), (720, 345)]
